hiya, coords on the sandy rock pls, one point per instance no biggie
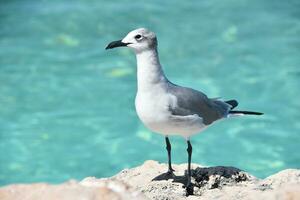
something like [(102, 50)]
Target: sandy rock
[(149, 181), (88, 189), (288, 176), (210, 183)]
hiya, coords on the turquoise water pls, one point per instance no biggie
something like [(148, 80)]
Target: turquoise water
[(67, 105)]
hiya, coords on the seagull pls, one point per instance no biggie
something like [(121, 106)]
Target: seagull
[(167, 108)]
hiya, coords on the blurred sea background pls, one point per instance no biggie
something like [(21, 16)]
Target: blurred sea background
[(67, 105)]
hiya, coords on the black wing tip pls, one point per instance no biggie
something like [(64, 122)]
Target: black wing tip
[(256, 113), (245, 112)]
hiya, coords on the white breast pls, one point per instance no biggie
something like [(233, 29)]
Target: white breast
[(152, 108)]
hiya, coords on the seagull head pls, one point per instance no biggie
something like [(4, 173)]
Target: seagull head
[(139, 40)]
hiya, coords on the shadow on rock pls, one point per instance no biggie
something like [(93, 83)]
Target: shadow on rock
[(208, 177)]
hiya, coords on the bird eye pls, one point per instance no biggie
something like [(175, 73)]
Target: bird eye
[(138, 37)]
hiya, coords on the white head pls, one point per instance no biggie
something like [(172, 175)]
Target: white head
[(139, 40)]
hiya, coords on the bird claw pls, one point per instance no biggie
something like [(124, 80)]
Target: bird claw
[(165, 176), (169, 174)]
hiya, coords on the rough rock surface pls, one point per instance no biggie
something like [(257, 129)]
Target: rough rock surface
[(102, 189), (148, 181)]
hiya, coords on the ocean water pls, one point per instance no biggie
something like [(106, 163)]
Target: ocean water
[(67, 105)]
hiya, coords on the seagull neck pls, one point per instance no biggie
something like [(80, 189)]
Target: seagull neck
[(149, 71)]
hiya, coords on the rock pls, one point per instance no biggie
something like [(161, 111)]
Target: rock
[(210, 183), (148, 181), (88, 189), (288, 176)]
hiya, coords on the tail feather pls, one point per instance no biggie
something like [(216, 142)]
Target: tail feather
[(245, 112)]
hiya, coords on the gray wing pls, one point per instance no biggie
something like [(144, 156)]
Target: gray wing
[(190, 101)]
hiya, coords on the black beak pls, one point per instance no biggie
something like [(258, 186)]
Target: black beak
[(115, 44)]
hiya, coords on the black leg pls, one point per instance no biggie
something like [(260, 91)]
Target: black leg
[(189, 186), (168, 147)]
